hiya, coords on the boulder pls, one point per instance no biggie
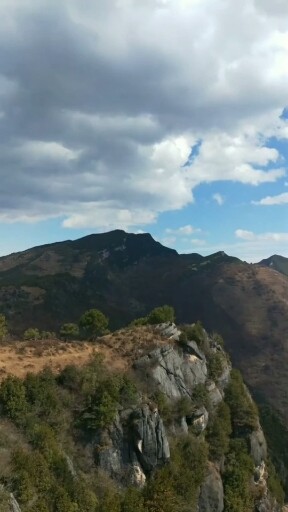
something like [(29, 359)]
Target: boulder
[(211, 498), (258, 446)]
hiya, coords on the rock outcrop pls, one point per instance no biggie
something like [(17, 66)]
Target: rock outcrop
[(211, 498), (173, 371), (133, 446)]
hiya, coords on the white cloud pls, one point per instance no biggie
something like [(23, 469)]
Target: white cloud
[(267, 237), (218, 198), (97, 129), (272, 200), (183, 230)]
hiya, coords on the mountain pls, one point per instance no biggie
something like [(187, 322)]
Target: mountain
[(156, 420), (127, 275), (276, 262)]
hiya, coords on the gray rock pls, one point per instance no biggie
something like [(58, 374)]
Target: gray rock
[(258, 446), (215, 395), (192, 348), (132, 447), (169, 330), (211, 497), (149, 438), (14, 504), (199, 419), (174, 372)]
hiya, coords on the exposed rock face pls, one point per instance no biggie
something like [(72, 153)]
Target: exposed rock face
[(170, 330), (175, 373), (211, 497), (199, 419), (133, 446), (258, 446), (149, 438)]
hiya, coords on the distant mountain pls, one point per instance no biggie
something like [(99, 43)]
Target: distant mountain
[(276, 262), (127, 275)]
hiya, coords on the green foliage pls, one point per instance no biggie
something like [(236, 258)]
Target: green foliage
[(274, 483), (243, 410), (164, 407), (32, 333), (200, 396), (3, 327), (217, 338), (93, 323), (161, 315), (48, 335), (239, 468), (143, 320), (41, 393), (69, 331), (4, 501), (277, 437), (183, 407), (216, 365), (13, 399), (194, 332), (175, 487), (133, 501), (219, 431)]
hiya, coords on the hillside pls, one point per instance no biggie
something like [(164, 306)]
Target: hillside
[(276, 262), (156, 420), (126, 275)]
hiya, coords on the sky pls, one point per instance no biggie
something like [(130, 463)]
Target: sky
[(160, 116)]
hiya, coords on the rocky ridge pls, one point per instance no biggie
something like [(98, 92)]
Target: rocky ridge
[(138, 441)]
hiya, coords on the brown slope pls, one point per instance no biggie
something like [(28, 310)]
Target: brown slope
[(127, 275)]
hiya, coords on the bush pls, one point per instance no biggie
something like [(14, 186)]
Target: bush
[(216, 365), (161, 315), (31, 334), (69, 331)]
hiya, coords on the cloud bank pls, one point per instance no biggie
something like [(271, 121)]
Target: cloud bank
[(102, 102)]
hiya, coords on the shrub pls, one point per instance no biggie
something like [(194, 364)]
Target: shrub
[(31, 334), (69, 331), (216, 365), (161, 315), (3, 327), (13, 399)]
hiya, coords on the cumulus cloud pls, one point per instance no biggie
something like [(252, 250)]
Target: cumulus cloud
[(101, 103), (272, 200)]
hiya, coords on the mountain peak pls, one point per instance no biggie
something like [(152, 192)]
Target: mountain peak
[(276, 262)]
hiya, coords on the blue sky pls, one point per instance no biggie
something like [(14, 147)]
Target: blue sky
[(141, 116)]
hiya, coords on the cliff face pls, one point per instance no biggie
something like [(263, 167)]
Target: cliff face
[(182, 428), (137, 443)]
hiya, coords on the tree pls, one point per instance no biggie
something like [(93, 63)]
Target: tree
[(13, 399), (93, 323), (3, 327), (31, 334), (69, 331), (161, 315)]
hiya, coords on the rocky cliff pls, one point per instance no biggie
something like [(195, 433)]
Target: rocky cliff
[(177, 431)]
